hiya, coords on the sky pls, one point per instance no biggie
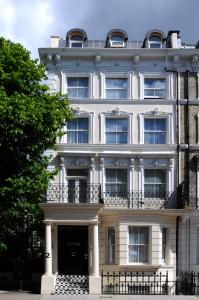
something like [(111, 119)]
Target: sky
[(32, 22)]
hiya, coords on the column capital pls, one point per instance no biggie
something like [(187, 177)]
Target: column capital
[(46, 222)]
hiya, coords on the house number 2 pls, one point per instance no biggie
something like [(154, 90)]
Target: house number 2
[(47, 255)]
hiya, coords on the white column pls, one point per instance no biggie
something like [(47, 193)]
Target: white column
[(48, 253), (95, 250)]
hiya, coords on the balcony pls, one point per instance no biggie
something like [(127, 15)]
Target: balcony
[(93, 193)]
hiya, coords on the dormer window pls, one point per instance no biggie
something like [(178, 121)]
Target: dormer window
[(76, 41), (155, 41), (117, 40), (75, 38)]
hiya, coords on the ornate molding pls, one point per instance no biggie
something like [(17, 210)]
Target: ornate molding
[(117, 162), (116, 112), (78, 162), (79, 111), (155, 112), (156, 163)]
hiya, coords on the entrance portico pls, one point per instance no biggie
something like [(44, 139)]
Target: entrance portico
[(71, 245)]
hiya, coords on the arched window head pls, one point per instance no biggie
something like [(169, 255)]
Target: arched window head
[(117, 40), (155, 41), (76, 41), (75, 38)]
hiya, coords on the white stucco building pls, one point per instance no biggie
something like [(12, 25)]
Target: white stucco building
[(115, 204)]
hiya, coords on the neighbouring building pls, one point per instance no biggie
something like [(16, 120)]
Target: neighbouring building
[(121, 215)]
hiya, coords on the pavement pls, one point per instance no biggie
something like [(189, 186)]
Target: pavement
[(4, 295)]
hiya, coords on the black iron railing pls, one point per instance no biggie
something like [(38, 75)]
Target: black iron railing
[(135, 283), (188, 283), (85, 193), (93, 193)]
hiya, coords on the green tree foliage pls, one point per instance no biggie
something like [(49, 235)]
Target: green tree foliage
[(30, 119)]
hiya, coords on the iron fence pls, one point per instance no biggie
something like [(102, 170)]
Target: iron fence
[(188, 283), (93, 193), (135, 283)]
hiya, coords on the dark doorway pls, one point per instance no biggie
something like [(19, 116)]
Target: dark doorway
[(73, 250)]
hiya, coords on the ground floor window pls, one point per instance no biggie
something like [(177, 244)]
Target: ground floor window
[(110, 245), (164, 244), (138, 244)]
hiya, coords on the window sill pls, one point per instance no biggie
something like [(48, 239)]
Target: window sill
[(139, 267)]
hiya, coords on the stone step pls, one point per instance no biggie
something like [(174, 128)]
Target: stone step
[(71, 285)]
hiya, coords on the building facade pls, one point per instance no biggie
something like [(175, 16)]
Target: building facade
[(127, 186)]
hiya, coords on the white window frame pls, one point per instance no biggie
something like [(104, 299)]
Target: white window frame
[(155, 42), (116, 132), (117, 44), (71, 41), (148, 245), (108, 163), (153, 163), (105, 76), (115, 113), (78, 131), (107, 251), (156, 114), (116, 183), (81, 114), (78, 75), (169, 85), (115, 89)]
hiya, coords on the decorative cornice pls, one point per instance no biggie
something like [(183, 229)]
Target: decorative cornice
[(79, 111), (155, 112), (116, 112)]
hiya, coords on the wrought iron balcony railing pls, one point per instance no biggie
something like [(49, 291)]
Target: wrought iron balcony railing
[(93, 193)]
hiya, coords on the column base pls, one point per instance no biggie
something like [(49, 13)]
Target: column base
[(48, 284), (95, 285)]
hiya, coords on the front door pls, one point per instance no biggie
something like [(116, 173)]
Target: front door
[(73, 250)]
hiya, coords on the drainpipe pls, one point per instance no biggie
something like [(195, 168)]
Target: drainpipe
[(178, 167), (177, 131), (177, 232), (187, 133)]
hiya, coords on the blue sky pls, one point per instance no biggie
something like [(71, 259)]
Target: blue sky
[(32, 22)]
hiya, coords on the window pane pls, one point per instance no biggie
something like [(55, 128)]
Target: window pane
[(76, 37), (72, 124), (110, 175), (122, 124), (116, 88), (72, 82), (83, 123), (83, 137), (83, 82), (155, 38), (154, 183), (116, 131), (117, 38), (155, 131), (77, 131), (121, 83), (138, 244), (77, 87), (110, 83), (154, 83), (110, 124), (121, 138), (111, 138)]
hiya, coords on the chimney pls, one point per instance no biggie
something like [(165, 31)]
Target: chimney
[(54, 41)]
